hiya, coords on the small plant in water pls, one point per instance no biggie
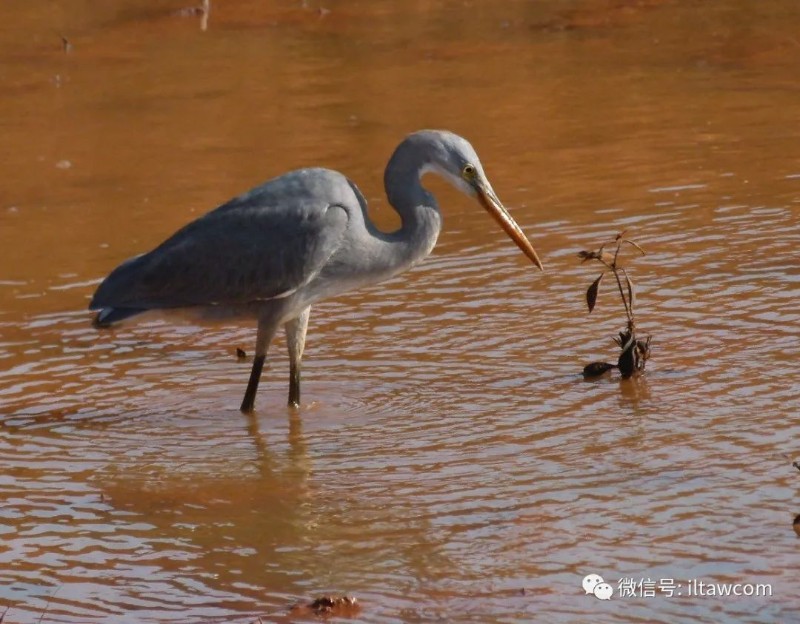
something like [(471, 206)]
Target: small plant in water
[(635, 351)]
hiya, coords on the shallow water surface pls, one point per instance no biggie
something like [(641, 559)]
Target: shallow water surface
[(449, 461)]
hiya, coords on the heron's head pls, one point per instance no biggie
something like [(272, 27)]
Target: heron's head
[(452, 157)]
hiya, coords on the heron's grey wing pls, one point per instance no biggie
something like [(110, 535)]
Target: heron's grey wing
[(256, 247)]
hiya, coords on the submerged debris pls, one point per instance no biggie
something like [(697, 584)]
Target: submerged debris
[(329, 606)]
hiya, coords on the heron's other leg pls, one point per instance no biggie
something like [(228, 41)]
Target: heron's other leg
[(296, 341), (266, 331)]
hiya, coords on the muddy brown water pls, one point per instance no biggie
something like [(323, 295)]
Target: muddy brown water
[(448, 461)]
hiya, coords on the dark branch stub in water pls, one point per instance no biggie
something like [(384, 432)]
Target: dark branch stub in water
[(634, 354)]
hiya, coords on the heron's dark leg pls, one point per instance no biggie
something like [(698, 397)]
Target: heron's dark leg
[(252, 385), (266, 330), (296, 341)]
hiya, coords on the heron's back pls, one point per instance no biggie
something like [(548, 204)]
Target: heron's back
[(261, 245)]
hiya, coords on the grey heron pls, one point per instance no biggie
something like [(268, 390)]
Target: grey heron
[(271, 253)]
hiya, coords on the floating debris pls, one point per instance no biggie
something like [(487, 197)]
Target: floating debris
[(201, 11), (595, 369), (328, 606), (241, 353), (192, 11)]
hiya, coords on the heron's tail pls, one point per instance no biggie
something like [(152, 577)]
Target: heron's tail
[(107, 317)]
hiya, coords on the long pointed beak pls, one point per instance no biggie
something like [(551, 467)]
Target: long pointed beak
[(495, 208)]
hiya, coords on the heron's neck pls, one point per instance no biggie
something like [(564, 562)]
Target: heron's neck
[(419, 213), (382, 255)]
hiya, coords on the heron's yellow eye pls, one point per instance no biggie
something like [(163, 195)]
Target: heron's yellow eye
[(468, 172)]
